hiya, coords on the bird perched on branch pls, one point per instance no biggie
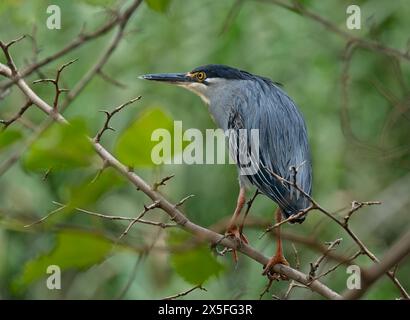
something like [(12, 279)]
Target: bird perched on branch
[(240, 101)]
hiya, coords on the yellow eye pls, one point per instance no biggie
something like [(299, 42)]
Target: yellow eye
[(201, 76)]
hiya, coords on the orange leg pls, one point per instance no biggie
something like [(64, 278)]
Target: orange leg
[(278, 258), (232, 229)]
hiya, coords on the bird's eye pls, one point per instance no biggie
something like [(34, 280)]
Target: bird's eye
[(201, 76)]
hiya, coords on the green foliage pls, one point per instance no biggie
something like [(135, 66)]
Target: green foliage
[(175, 37), (8, 137), (86, 193), (193, 265), (73, 250), (100, 3), (158, 5), (134, 146), (61, 147), (93, 188)]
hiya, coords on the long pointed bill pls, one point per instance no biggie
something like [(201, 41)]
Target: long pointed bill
[(176, 78)]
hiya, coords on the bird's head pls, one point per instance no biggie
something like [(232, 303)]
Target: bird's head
[(203, 81)]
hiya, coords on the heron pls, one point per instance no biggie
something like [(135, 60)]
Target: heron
[(238, 100)]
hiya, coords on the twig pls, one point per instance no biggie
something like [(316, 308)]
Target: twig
[(182, 201), (18, 115), (111, 80), (162, 182), (131, 219), (338, 265), (233, 12), (299, 8), (315, 266), (81, 39), (109, 115), (266, 288), (291, 218), (6, 49), (121, 20), (45, 217), (140, 216), (356, 206), (56, 84), (355, 238), (184, 293), (296, 255), (248, 208), (292, 285), (398, 252)]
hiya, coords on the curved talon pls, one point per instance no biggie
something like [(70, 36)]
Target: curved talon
[(268, 269), (234, 233)]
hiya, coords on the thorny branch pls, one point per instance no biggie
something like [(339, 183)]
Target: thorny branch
[(18, 115), (299, 8), (109, 115), (56, 83), (184, 293), (140, 216), (121, 20), (299, 279), (315, 266), (162, 182)]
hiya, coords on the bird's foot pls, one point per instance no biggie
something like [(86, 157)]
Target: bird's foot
[(268, 269), (234, 233)]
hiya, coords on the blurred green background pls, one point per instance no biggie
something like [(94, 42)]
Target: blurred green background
[(176, 36)]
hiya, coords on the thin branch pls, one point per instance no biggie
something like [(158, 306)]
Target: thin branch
[(232, 14), (111, 80), (315, 266), (356, 206), (289, 219), (162, 225), (183, 200), (18, 115), (45, 217), (399, 251), (152, 206), (109, 115), (248, 208), (352, 258), (162, 182), (56, 83), (355, 238), (266, 288), (184, 293), (82, 38), (121, 20), (300, 9), (6, 49)]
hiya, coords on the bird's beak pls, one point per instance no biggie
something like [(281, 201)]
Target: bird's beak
[(173, 78)]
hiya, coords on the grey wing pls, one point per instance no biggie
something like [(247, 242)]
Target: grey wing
[(282, 144)]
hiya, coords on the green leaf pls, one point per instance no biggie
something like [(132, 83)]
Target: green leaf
[(158, 5), (86, 194), (8, 137), (91, 189), (61, 147), (134, 146), (194, 266), (73, 250)]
